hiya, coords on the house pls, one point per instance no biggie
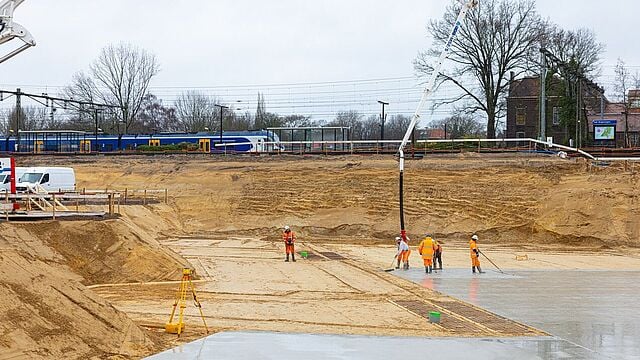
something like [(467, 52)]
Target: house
[(523, 115), (435, 134), (523, 111)]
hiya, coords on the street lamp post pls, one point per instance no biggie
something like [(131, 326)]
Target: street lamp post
[(383, 118), (222, 107)]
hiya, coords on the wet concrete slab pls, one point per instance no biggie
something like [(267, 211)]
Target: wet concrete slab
[(277, 346), (593, 310)]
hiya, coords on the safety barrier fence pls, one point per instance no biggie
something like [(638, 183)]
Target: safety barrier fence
[(82, 203), (427, 146), (128, 195)]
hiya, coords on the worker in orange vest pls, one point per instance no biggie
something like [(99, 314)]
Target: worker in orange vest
[(289, 238), (426, 249), (475, 254), (437, 255)]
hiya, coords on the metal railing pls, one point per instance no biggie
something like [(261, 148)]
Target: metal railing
[(422, 146), (58, 204)]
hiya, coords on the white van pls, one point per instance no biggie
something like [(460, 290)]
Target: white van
[(5, 178), (51, 179)]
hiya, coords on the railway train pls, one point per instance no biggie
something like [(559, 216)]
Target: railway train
[(54, 141)]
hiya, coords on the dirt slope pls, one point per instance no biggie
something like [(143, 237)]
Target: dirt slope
[(48, 314), (108, 252), (513, 200), (47, 311)]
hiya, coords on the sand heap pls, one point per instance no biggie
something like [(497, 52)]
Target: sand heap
[(47, 311)]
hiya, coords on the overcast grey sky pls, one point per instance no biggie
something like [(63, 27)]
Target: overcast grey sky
[(227, 45)]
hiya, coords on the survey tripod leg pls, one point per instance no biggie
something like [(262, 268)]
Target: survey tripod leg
[(186, 287)]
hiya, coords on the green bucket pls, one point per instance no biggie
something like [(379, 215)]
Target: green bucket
[(434, 317), (304, 254)]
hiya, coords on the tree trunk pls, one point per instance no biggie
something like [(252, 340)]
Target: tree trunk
[(491, 126)]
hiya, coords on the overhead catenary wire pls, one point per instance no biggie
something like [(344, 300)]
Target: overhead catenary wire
[(317, 99), (321, 100)]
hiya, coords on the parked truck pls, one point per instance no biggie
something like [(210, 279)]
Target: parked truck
[(5, 178)]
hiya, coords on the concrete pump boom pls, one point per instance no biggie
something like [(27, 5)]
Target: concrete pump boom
[(10, 30), (466, 7)]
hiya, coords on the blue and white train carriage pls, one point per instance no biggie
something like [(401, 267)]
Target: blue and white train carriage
[(78, 141)]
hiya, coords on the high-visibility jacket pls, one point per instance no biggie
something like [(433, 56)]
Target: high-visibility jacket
[(426, 248), (473, 248), (289, 237)]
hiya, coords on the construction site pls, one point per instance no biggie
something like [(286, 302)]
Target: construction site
[(104, 288), (134, 230)]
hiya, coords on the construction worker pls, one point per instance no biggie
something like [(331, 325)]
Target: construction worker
[(403, 253), (475, 254), (289, 238), (426, 249), (437, 255)]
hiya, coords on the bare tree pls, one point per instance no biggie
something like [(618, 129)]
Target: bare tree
[(370, 128), (119, 76), (243, 121), (622, 85), (5, 124), (83, 89), (155, 117), (196, 112), (396, 126), (499, 37), (351, 119), (580, 46), (297, 121), (460, 126), (266, 119), (31, 118)]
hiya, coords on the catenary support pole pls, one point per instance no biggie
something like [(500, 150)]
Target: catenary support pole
[(383, 118), (543, 96)]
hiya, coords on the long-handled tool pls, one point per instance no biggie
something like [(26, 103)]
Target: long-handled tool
[(492, 263), (392, 268)]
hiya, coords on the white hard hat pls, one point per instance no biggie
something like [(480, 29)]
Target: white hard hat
[(398, 238), (286, 227), (474, 237)]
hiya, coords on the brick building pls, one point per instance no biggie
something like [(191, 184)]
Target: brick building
[(523, 115), (523, 111)]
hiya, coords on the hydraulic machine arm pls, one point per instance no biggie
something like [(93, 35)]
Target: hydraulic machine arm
[(428, 91), (10, 30)]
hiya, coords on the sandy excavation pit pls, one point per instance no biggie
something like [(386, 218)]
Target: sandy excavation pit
[(223, 219)]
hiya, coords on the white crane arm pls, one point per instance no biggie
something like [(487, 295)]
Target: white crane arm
[(468, 5), (10, 30)]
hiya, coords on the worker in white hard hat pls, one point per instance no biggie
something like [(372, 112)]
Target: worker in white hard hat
[(475, 254), (403, 253), (289, 238)]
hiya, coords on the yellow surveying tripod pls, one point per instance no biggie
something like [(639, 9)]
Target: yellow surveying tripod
[(186, 286)]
